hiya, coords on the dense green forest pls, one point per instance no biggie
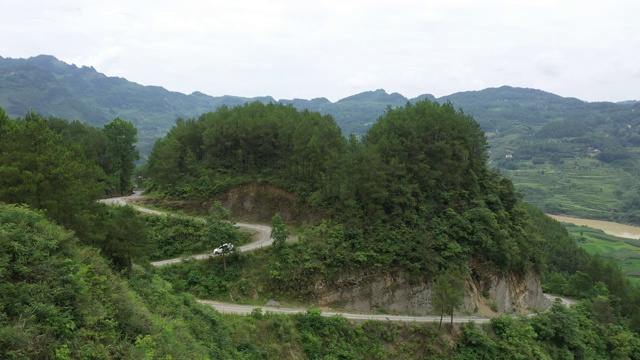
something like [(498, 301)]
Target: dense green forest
[(54, 88), (396, 192), (62, 300), (414, 194), (565, 155)]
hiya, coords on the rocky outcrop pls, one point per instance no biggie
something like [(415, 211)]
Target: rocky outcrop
[(255, 202), (391, 291), (259, 202), (506, 292)]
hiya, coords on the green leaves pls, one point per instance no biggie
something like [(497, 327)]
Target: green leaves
[(121, 153), (38, 168), (448, 291), (279, 232)]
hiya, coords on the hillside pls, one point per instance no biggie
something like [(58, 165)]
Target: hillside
[(94, 295), (61, 300), (563, 154), (54, 88)]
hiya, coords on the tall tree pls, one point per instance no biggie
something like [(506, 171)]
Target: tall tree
[(448, 291), (121, 153), (125, 237), (279, 232), (38, 168)]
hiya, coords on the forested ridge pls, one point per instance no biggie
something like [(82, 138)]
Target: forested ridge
[(413, 194), (420, 169), (565, 155)]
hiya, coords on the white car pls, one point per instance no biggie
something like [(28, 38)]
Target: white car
[(222, 248)]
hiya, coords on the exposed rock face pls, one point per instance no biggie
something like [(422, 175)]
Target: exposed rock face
[(509, 292), (259, 202), (255, 202), (391, 291)]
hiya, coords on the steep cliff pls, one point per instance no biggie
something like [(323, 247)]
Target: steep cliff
[(391, 291), (488, 291)]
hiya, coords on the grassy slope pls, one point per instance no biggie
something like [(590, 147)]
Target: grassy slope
[(624, 251), (61, 300), (582, 187)]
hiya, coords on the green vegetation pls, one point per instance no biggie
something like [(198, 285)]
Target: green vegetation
[(279, 232), (625, 252), (174, 236), (286, 272), (60, 300), (61, 169), (54, 88), (413, 195), (564, 155), (562, 151), (570, 270), (583, 332), (121, 152), (583, 187), (448, 291)]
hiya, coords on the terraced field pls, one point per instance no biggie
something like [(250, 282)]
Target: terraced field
[(582, 187), (624, 251)]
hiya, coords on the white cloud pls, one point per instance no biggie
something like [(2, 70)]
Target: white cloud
[(335, 48), (551, 64)]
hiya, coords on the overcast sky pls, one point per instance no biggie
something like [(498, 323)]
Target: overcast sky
[(302, 49)]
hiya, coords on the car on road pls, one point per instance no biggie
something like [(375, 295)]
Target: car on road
[(223, 248)]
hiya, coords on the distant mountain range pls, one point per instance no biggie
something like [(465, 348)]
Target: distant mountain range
[(54, 88), (565, 155)]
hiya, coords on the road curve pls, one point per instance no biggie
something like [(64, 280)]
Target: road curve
[(261, 233), (247, 309), (565, 301), (262, 237)]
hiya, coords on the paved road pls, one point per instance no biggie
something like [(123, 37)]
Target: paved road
[(565, 301), (261, 233), (125, 200), (262, 237), (246, 309)]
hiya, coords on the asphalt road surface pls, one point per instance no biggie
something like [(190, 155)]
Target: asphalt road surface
[(247, 309), (261, 233), (262, 238)]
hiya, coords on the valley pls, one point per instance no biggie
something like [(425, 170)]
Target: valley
[(564, 155), (613, 241), (413, 215), (608, 227)]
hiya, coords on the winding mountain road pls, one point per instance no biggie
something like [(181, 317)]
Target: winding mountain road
[(247, 309), (261, 233), (262, 237)]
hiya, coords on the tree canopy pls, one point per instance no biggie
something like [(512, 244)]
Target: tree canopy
[(62, 168), (415, 191)]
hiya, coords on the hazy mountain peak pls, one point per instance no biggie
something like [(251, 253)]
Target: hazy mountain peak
[(379, 95)]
